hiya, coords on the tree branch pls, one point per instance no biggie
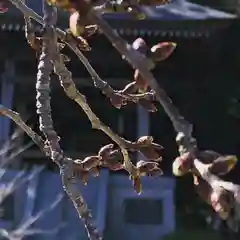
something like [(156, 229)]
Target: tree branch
[(46, 124), (139, 61), (117, 98), (184, 139), (71, 91), (37, 139), (143, 64), (50, 48)]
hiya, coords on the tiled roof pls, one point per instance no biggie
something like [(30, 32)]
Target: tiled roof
[(177, 18), (176, 10), (181, 10)]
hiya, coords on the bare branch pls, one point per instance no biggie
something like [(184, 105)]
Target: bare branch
[(143, 64), (118, 98), (33, 135), (206, 175), (184, 139), (46, 124)]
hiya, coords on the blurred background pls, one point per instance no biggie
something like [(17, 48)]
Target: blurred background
[(202, 79)]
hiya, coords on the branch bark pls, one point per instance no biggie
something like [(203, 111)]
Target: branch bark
[(51, 55), (70, 89), (143, 64), (184, 138), (117, 98), (45, 68)]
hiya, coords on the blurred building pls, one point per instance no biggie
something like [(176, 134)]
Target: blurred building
[(232, 6), (201, 34)]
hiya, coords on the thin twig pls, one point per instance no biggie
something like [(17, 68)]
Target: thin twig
[(71, 91), (184, 129), (37, 139), (44, 147), (72, 44), (136, 59), (143, 64)]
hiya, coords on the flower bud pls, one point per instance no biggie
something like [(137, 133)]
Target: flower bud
[(75, 25), (152, 151), (3, 6), (145, 167), (90, 162), (140, 45), (182, 165), (162, 51), (105, 151), (223, 164), (156, 172)]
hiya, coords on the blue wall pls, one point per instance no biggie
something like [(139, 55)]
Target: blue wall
[(107, 195)]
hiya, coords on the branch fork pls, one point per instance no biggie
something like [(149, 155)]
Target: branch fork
[(205, 166)]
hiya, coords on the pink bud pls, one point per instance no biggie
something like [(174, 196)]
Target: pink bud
[(90, 162), (105, 151), (3, 6), (162, 51)]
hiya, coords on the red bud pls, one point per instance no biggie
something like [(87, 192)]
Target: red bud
[(3, 6), (106, 150), (162, 51), (117, 100), (156, 172), (90, 162), (145, 167)]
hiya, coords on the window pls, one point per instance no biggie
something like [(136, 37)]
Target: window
[(143, 211)]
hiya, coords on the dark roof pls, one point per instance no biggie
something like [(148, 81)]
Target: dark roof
[(176, 10), (181, 10), (177, 18)]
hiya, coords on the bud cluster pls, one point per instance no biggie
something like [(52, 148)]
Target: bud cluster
[(221, 200), (110, 157)]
